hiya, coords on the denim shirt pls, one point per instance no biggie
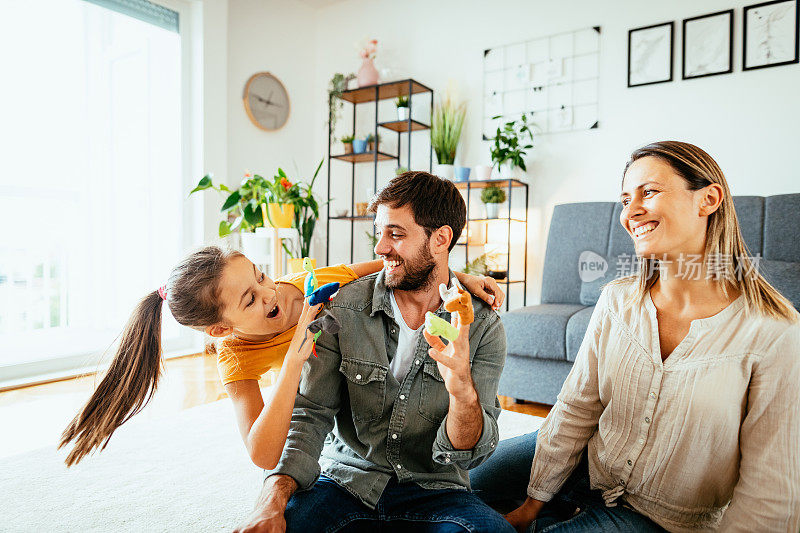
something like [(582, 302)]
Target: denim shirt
[(368, 426)]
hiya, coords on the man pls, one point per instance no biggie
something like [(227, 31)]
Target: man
[(405, 427)]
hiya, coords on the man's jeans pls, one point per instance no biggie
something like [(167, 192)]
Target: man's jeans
[(502, 482), (327, 507)]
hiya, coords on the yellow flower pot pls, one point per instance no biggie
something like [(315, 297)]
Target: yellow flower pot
[(281, 215), (296, 264)]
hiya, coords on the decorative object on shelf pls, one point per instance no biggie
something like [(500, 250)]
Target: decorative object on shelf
[(476, 267), (507, 150), (342, 212), (367, 73), (361, 208), (496, 261), (371, 144), (402, 107), (243, 205), (336, 86), (266, 101), (492, 197), (306, 214), (347, 142), (557, 77), (707, 45), (483, 172), (446, 125), (650, 54), (771, 34), (462, 173), (400, 170), (359, 146)]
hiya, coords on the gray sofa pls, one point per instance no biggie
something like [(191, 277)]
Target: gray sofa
[(543, 340)]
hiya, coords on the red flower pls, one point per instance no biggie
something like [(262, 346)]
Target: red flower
[(286, 184)]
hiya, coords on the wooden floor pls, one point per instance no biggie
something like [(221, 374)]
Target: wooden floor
[(33, 417)]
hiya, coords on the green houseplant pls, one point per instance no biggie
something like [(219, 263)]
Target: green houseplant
[(347, 141), (510, 144), (402, 107), (306, 213), (336, 87), (371, 144), (446, 125), (492, 197), (241, 206)]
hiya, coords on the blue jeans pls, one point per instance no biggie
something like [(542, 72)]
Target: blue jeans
[(502, 482), (327, 507)]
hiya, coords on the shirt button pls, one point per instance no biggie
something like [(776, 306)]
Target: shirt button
[(630, 463), (399, 467), (647, 419), (358, 376), (402, 396), (641, 441), (393, 331), (416, 361), (447, 460), (394, 435), (493, 445), (653, 395)]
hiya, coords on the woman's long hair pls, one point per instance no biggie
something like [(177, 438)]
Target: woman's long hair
[(723, 236), (192, 293)]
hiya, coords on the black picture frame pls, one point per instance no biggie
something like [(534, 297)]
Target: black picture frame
[(745, 13), (729, 13), (671, 26)]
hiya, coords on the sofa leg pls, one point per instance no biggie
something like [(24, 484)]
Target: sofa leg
[(518, 401)]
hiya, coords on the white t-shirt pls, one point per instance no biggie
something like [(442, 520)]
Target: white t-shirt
[(406, 343)]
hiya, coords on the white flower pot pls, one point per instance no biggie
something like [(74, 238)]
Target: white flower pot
[(447, 172), (256, 245), (402, 113), (492, 210), (483, 172)]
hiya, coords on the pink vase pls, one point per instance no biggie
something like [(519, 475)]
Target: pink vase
[(367, 74)]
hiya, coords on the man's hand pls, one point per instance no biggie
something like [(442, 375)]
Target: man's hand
[(268, 514), (453, 361), (522, 516)]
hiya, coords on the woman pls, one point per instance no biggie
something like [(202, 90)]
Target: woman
[(263, 326), (680, 412)]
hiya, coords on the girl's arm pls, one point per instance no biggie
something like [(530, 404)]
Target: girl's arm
[(483, 287), (264, 427)]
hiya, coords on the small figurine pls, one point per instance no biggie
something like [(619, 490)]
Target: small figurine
[(438, 326), (457, 300), (324, 293), (311, 277), (326, 323)]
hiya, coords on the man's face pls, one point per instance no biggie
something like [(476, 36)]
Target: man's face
[(405, 249)]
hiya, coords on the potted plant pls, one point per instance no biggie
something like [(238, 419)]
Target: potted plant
[(402, 107), (336, 87), (400, 170), (279, 203), (306, 213), (446, 125), (492, 197), (509, 148), (347, 141), (359, 146), (372, 145)]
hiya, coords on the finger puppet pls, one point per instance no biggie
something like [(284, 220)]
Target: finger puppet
[(326, 323), (440, 327), (311, 278), (324, 293), (457, 300)]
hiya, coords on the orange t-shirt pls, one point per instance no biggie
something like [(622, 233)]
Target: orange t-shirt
[(240, 359)]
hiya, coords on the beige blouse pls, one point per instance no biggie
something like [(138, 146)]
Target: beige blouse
[(709, 438)]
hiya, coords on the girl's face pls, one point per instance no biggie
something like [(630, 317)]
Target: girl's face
[(250, 300), (659, 212)]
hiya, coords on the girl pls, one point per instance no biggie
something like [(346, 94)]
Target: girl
[(263, 326), (681, 409)]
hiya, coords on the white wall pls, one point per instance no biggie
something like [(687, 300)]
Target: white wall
[(746, 120)]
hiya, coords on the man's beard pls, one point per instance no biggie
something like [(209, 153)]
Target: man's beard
[(418, 272)]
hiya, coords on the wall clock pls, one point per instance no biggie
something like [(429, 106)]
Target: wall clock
[(266, 101)]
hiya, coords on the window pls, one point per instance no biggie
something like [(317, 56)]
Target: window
[(93, 179)]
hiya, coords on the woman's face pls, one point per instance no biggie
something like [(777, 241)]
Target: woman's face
[(251, 303), (659, 212)]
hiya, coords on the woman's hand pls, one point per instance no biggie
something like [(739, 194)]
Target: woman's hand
[(522, 516), (483, 287), (302, 340)]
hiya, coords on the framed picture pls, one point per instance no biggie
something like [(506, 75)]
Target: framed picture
[(770, 34), (707, 45), (650, 54)]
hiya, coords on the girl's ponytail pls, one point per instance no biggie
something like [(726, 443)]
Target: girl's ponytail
[(128, 385)]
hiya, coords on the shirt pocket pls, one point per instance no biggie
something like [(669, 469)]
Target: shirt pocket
[(434, 399), (366, 386)]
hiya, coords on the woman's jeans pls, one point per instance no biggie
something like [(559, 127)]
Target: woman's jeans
[(502, 483)]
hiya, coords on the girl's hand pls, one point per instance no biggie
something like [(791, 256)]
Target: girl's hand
[(299, 350), (483, 287)]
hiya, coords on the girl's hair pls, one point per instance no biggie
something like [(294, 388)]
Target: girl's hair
[(192, 293), (723, 236)]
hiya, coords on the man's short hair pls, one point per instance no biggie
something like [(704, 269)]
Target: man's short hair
[(434, 202)]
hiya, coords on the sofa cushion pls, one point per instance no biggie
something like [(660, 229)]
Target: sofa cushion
[(576, 330), (784, 276), (617, 267), (539, 330)]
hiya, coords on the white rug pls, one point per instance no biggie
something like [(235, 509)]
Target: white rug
[(185, 472)]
